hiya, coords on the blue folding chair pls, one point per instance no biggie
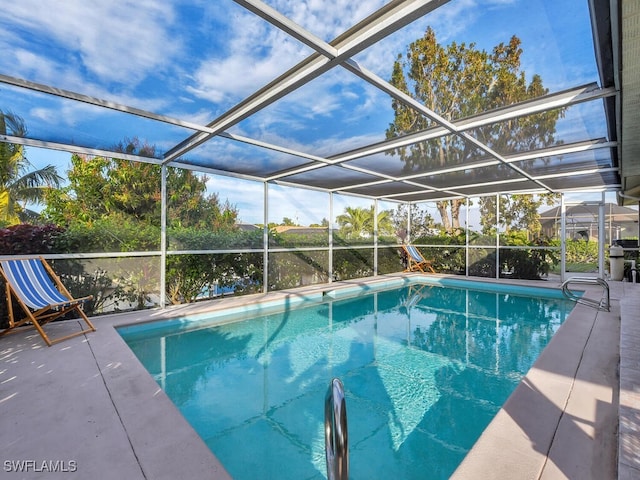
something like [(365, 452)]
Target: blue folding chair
[(41, 295)]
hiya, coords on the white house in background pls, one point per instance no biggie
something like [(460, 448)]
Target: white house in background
[(582, 222)]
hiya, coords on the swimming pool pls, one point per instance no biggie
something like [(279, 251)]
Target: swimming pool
[(425, 369)]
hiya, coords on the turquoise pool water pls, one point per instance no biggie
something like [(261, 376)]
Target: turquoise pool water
[(425, 369)]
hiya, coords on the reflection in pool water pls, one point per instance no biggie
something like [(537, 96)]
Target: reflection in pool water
[(425, 369)]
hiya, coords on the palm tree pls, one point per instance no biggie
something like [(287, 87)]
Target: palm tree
[(359, 222), (354, 222), (20, 185), (385, 222)]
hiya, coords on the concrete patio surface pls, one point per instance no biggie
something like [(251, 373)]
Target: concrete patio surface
[(86, 408)]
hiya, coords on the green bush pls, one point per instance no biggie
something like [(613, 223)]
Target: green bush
[(121, 283), (297, 268), (352, 263), (449, 256), (109, 236), (189, 275), (25, 239), (529, 264), (515, 263), (580, 251), (195, 239)]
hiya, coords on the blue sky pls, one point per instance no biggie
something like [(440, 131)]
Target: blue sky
[(195, 59)]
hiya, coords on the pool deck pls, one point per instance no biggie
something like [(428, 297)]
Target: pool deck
[(86, 408)]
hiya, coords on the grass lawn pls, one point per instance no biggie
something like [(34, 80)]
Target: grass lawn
[(577, 268)]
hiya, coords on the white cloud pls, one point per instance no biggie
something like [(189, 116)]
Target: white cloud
[(253, 55), (303, 206), (245, 195), (242, 66), (118, 41), (325, 104), (327, 22), (27, 61), (326, 145)]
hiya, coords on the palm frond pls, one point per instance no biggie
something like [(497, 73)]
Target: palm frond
[(30, 216), (12, 124), (46, 176)]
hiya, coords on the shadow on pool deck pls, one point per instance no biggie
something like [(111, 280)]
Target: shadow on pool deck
[(561, 422), (88, 405)]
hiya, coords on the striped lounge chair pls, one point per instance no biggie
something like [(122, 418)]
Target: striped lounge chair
[(415, 261), (41, 295)]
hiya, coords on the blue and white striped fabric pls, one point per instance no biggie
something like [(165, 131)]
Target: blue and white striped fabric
[(32, 284), (415, 254)]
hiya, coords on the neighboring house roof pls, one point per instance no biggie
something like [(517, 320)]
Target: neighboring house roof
[(247, 227), (582, 221), (588, 213), (299, 230)]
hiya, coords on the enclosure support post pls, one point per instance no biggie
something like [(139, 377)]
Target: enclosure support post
[(330, 237), (163, 236), (497, 226), (265, 240), (602, 237), (466, 240), (375, 237), (563, 238), (408, 237)]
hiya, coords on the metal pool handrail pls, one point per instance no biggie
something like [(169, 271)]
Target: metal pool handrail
[(603, 304), (336, 437)]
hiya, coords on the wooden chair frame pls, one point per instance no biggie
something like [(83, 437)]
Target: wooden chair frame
[(41, 316), (416, 261)]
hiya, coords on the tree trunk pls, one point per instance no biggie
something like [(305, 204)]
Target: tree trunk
[(455, 213), (444, 214)]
